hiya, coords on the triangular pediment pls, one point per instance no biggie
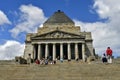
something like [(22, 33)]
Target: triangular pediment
[(57, 34)]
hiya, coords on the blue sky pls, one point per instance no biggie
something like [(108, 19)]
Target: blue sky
[(19, 17)]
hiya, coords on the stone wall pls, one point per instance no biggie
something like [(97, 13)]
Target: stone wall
[(28, 50), (44, 30)]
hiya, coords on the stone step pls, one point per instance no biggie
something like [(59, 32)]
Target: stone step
[(60, 71)]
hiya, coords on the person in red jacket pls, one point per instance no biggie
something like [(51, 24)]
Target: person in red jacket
[(37, 61), (109, 54)]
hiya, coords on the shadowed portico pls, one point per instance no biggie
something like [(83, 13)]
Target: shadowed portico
[(62, 51)]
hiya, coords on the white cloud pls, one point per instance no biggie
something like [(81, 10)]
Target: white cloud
[(30, 19), (10, 49), (105, 33), (3, 18), (107, 8)]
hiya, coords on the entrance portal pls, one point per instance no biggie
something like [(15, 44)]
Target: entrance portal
[(36, 53), (65, 51), (72, 51), (58, 51), (43, 50), (80, 50), (50, 50)]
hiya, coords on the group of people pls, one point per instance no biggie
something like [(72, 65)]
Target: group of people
[(44, 61), (107, 58)]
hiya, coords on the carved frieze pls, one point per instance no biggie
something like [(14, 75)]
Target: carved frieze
[(57, 34)]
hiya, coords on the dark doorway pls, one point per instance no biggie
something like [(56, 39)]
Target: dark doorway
[(80, 50), (43, 50), (58, 51), (65, 55), (50, 50), (72, 51), (36, 51)]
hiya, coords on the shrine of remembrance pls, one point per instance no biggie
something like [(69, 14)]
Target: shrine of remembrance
[(59, 38)]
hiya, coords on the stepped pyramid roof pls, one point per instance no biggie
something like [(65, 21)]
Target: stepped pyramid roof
[(59, 17)]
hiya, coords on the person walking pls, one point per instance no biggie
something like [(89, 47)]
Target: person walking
[(109, 54)]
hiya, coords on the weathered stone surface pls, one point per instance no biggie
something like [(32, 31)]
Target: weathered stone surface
[(28, 50)]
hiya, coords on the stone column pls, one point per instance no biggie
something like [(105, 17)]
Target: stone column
[(69, 52), (83, 51), (46, 51), (54, 52), (76, 51), (61, 51), (39, 51)]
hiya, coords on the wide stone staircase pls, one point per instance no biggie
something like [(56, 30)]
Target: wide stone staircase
[(61, 71)]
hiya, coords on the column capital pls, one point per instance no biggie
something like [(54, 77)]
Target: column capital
[(69, 43), (53, 43), (76, 42), (83, 43), (46, 43), (61, 43)]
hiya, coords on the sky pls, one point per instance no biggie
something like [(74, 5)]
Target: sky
[(19, 17)]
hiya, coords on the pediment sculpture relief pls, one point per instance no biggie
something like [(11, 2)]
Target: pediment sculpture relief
[(59, 35)]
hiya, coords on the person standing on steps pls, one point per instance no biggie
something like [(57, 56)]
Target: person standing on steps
[(104, 58), (109, 54)]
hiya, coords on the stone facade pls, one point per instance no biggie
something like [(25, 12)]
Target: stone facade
[(59, 38)]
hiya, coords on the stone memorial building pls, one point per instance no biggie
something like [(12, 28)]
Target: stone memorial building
[(59, 38)]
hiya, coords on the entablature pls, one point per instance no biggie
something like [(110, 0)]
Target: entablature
[(57, 35)]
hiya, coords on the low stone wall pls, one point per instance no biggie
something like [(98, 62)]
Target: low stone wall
[(7, 62), (20, 60)]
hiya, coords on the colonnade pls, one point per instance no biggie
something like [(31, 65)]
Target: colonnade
[(76, 53)]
